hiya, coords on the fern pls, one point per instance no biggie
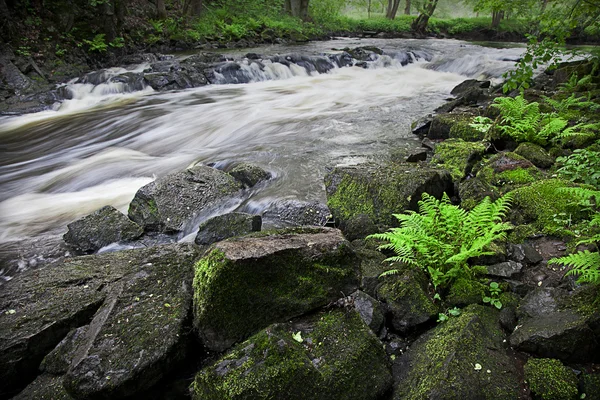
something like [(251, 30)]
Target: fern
[(442, 237), (580, 131)]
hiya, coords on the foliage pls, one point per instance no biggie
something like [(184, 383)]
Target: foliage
[(494, 297), (481, 124), (97, 44), (585, 264), (453, 312), (523, 121), (582, 166), (442, 237)]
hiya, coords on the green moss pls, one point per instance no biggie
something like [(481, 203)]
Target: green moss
[(351, 198), (548, 209), (536, 154), (507, 171), (465, 291), (550, 379), (591, 386), (458, 156), (461, 129)]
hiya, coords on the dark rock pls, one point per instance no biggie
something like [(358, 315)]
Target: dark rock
[(505, 269), (463, 358), (101, 228), (536, 154), (369, 309), (44, 387), (524, 253), (428, 144), (463, 292), (406, 298), (469, 84), (166, 204), (591, 385), (297, 213), (453, 125), (313, 358), (472, 191), (242, 285), (226, 226), (165, 66), (249, 175), (508, 319), (161, 81), (380, 191), (358, 227), (139, 58), (372, 265), (416, 156), (421, 126), (549, 379)]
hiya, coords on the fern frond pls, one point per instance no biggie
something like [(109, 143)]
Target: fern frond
[(585, 264)]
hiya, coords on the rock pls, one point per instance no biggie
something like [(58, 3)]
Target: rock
[(468, 85), (449, 125), (508, 170), (524, 253), (242, 285), (464, 292), (549, 379), (372, 265), (369, 309), (44, 387), (463, 358), (132, 336), (166, 204), (536, 154), (458, 156), (358, 227), (508, 319), (406, 299), (326, 356), (472, 191), (226, 226), (417, 155), (249, 175), (297, 213), (591, 385), (556, 325), (380, 191), (172, 80), (101, 228), (504, 269), (422, 125)]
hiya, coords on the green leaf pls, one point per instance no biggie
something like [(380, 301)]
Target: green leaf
[(298, 337)]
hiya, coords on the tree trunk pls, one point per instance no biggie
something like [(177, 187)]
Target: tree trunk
[(407, 8), (161, 11), (419, 25), (6, 30), (369, 9), (392, 9), (110, 21), (193, 8), (297, 8), (497, 16)]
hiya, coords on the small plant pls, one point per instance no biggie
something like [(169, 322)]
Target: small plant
[(24, 51), (98, 44), (494, 297), (117, 43), (481, 124), (582, 166), (60, 51), (443, 317), (442, 237)]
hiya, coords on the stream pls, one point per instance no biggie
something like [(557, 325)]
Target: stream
[(101, 146)]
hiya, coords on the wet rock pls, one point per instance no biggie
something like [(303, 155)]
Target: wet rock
[(508, 319), (372, 265), (472, 191), (242, 285), (468, 85), (536, 154), (463, 358), (453, 125), (508, 170), (524, 253), (166, 204), (406, 299), (556, 325), (226, 226), (464, 292), (421, 126), (365, 53), (297, 213), (101, 228), (358, 227), (161, 81), (458, 156), (549, 379), (44, 387), (249, 175), (504, 269), (416, 156), (380, 191), (130, 80), (328, 356), (369, 309)]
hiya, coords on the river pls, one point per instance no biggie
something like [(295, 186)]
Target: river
[(102, 146)]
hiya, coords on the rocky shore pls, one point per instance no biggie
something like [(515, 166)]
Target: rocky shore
[(302, 312)]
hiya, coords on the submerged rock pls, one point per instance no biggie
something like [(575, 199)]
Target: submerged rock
[(226, 226), (249, 175), (101, 228), (243, 285), (166, 204), (297, 213), (331, 356), (463, 358)]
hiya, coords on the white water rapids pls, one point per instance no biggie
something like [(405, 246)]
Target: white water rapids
[(102, 146)]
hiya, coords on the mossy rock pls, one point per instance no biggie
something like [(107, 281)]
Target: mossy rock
[(472, 191), (462, 358), (546, 207), (591, 385), (508, 170), (449, 125), (44, 387), (549, 379), (406, 298), (380, 191), (243, 285), (464, 292), (536, 154), (458, 156), (327, 356)]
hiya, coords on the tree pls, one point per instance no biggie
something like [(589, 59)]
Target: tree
[(407, 7), (392, 9), (297, 8), (193, 8), (419, 25), (161, 11)]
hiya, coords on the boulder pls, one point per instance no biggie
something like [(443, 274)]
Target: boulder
[(469, 84), (524, 253), (249, 175), (44, 387), (380, 191), (462, 358), (101, 228), (226, 226), (166, 204), (406, 299), (458, 156), (369, 309), (536, 154), (508, 170), (464, 291), (329, 356), (297, 213), (504, 269), (127, 312), (549, 379), (590, 385), (242, 285), (472, 191), (556, 324), (453, 125)]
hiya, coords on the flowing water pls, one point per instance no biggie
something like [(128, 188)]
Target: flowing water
[(101, 146)]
